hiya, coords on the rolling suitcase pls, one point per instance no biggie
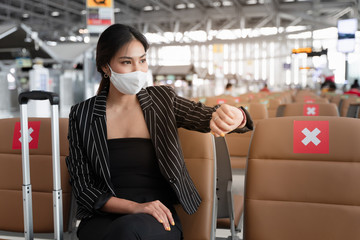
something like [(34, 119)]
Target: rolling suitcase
[(26, 188)]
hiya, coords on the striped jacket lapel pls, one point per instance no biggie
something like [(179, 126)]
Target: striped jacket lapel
[(98, 137), (157, 129), (146, 104), (149, 107)]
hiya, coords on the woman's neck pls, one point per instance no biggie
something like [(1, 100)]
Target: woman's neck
[(118, 101)]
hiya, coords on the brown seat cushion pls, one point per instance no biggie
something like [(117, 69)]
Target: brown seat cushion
[(238, 209)]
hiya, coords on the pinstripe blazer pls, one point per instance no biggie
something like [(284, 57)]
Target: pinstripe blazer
[(164, 112)]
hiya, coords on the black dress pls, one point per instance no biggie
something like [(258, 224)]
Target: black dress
[(135, 176)]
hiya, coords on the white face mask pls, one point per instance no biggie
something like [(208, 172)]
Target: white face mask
[(128, 83)]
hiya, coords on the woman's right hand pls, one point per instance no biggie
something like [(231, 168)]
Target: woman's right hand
[(154, 208), (158, 211)]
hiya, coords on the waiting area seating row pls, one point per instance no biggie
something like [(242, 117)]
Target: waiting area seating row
[(302, 178), (272, 101), (303, 103), (343, 101), (199, 153)]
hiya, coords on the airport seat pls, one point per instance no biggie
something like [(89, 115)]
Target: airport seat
[(238, 144), (312, 100), (303, 184), (41, 177), (198, 150), (354, 110), (335, 99), (230, 206), (345, 103), (212, 101), (300, 96), (273, 105), (263, 100), (307, 109)]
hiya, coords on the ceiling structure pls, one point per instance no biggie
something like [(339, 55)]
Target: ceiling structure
[(62, 18)]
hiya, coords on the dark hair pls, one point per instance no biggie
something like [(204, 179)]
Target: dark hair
[(229, 85), (355, 84), (332, 87), (110, 41)]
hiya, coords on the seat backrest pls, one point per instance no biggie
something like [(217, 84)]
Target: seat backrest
[(229, 205), (238, 144), (198, 150), (273, 105), (224, 178), (41, 175), (354, 110), (228, 99), (309, 109), (302, 179), (312, 100), (345, 103)]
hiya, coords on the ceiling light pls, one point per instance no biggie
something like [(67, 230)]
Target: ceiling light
[(227, 3), (27, 39), (55, 14), (251, 2), (180, 6), (86, 39), (51, 43), (83, 31), (72, 38), (83, 12), (148, 8), (216, 4), (116, 10), (191, 5), (25, 15)]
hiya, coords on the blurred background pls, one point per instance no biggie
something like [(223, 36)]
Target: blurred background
[(196, 46)]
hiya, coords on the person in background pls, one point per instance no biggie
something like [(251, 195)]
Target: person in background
[(329, 84), (228, 89), (355, 84), (265, 88), (125, 162), (354, 88)]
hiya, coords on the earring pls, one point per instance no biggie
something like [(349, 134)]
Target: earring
[(105, 75)]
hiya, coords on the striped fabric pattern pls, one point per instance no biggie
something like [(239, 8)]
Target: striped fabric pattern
[(164, 112)]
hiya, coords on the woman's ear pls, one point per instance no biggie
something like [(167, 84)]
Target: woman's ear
[(105, 69)]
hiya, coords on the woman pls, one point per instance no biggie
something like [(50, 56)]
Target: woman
[(125, 162)]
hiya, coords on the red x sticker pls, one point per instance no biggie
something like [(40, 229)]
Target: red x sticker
[(311, 110), (311, 137), (221, 101), (33, 137), (237, 99)]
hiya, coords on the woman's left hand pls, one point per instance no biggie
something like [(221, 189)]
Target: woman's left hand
[(225, 119)]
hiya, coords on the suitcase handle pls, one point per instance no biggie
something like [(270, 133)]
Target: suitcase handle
[(24, 97)]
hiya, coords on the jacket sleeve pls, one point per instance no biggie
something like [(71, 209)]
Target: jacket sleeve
[(87, 190), (196, 116)]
